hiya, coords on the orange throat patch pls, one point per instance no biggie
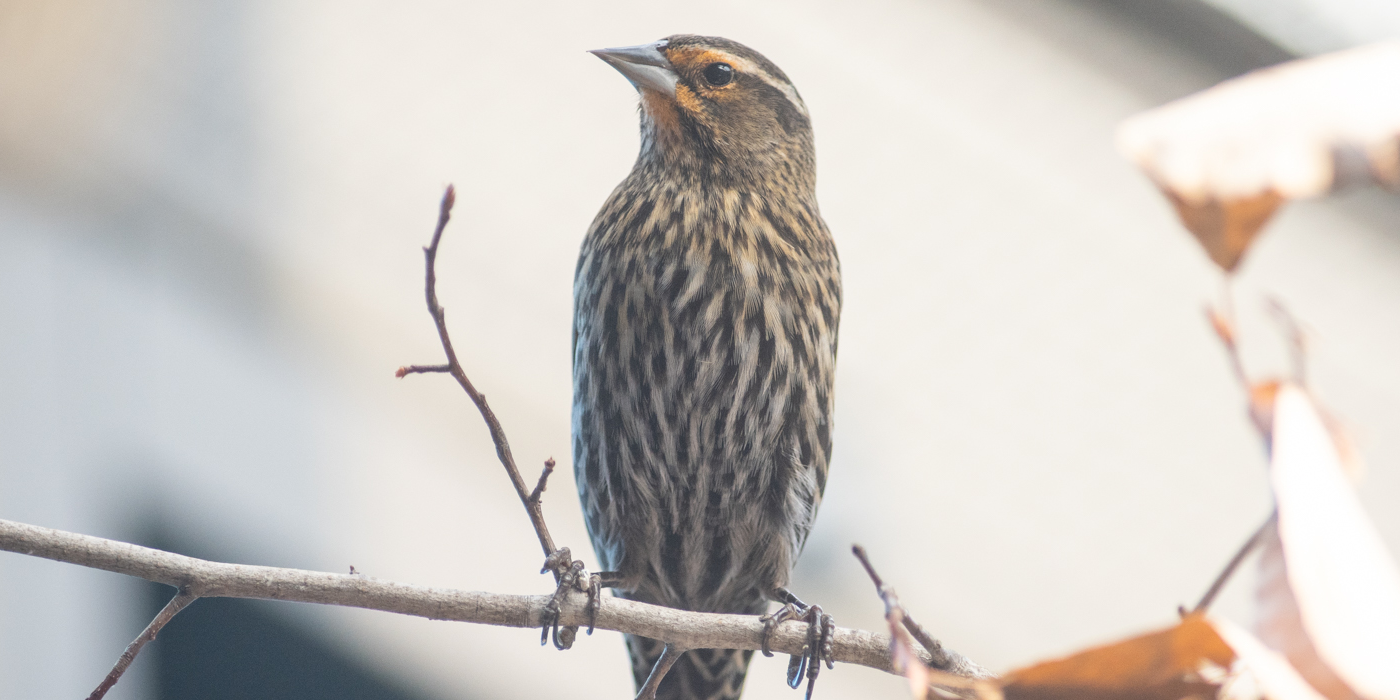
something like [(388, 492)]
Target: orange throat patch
[(661, 109)]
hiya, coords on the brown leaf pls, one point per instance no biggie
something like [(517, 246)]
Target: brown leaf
[(1298, 129), (1280, 626), (1329, 590), (1225, 228), (1229, 155), (1273, 677), (1160, 665)]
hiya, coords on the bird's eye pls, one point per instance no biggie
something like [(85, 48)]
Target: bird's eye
[(718, 74)]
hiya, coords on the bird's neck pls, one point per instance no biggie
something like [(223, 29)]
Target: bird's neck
[(689, 156), (686, 171)]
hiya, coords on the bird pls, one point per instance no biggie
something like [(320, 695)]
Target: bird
[(707, 298)]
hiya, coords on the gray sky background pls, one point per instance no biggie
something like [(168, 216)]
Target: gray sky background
[(210, 226)]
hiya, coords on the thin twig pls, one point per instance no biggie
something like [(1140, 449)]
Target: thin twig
[(544, 478), (1222, 320), (181, 600), (1234, 564), (668, 658), (902, 646), (420, 369), (454, 367), (1297, 339), (938, 657), (887, 594), (1260, 394), (206, 579)]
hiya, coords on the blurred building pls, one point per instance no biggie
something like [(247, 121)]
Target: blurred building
[(211, 216)]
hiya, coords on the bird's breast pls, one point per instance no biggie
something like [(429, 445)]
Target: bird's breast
[(705, 347), (719, 306)]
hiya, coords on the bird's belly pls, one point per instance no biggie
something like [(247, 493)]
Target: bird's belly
[(693, 455)]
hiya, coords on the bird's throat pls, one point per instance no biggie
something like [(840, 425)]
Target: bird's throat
[(661, 110)]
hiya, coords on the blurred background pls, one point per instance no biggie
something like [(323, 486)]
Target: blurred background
[(211, 216)]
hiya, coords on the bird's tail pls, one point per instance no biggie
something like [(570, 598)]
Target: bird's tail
[(700, 674)]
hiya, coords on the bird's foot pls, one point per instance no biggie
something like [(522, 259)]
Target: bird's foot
[(573, 576), (821, 628)]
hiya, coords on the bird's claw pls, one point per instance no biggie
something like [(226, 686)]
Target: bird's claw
[(595, 600), (572, 577), (771, 622), (821, 629)]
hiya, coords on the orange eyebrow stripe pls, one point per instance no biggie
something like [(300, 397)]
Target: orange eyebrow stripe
[(687, 56)]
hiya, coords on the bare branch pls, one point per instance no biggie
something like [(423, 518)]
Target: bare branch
[(668, 658), (454, 367), (1222, 321), (1296, 336), (934, 655), (206, 579), (1261, 394), (181, 600), (1230, 568), (420, 369)]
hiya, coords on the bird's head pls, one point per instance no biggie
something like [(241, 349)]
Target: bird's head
[(716, 105)]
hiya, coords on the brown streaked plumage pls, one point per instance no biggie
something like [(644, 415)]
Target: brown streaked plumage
[(706, 303)]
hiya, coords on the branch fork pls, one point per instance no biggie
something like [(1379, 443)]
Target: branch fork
[(569, 574)]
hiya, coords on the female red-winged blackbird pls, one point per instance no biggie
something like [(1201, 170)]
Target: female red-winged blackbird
[(706, 302)]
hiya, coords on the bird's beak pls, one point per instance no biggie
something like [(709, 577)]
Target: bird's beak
[(644, 66)]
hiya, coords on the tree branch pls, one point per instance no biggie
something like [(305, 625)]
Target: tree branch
[(206, 579), (669, 656), (166, 614), (1229, 570), (453, 367), (933, 654)]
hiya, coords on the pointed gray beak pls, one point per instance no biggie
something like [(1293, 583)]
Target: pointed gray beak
[(644, 66)]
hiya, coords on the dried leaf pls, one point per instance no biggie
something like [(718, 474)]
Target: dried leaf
[(1228, 156), (1280, 625), (1160, 665), (1298, 129), (1329, 593), (1352, 463), (1225, 228), (1273, 677)]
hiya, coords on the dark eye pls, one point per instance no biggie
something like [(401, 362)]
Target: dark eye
[(718, 74)]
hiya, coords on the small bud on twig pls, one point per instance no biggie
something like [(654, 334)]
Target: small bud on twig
[(544, 477)]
